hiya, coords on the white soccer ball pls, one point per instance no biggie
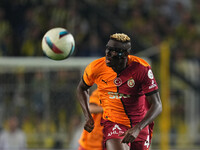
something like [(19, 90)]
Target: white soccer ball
[(58, 44)]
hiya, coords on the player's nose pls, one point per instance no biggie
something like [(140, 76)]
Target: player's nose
[(108, 53)]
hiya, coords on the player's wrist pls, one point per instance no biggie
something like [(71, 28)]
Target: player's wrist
[(88, 117), (139, 126)]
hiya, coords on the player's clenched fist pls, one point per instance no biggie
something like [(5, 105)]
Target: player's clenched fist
[(130, 135), (89, 125)]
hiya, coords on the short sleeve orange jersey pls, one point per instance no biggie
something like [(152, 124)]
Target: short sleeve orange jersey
[(122, 95), (93, 140)]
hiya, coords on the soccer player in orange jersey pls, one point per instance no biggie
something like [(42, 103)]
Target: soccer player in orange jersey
[(124, 83), (93, 140)]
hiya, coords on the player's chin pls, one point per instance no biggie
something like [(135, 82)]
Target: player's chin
[(109, 64)]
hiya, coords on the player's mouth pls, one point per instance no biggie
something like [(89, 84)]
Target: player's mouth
[(108, 61)]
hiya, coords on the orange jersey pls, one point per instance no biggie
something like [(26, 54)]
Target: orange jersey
[(93, 140), (122, 95)]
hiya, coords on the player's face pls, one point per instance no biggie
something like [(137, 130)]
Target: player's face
[(117, 55)]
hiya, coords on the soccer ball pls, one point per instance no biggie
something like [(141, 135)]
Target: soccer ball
[(58, 44)]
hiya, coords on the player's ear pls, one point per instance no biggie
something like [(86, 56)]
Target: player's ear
[(129, 51), (128, 47), (126, 53)]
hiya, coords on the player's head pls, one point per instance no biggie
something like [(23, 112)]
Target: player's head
[(117, 50)]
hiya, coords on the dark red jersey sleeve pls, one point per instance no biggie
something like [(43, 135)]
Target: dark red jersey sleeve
[(148, 81)]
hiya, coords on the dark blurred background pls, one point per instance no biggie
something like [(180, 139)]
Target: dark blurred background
[(147, 22)]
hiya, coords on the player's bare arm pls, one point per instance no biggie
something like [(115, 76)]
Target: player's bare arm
[(154, 110), (83, 97), (95, 109)]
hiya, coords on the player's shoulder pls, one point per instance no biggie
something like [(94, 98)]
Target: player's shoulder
[(137, 60), (94, 67), (98, 62)]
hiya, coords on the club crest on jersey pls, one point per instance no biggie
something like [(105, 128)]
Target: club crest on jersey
[(131, 83), (150, 74), (118, 81)]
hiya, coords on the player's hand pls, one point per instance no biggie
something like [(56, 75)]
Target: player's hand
[(130, 135), (89, 125)]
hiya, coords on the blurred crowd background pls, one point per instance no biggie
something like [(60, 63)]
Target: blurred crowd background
[(46, 107), (24, 22)]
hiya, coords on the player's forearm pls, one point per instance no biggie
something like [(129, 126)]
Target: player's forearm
[(154, 110), (83, 98), (95, 109)]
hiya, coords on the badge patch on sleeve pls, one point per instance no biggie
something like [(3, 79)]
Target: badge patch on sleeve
[(150, 74)]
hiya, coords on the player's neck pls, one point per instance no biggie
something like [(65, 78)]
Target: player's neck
[(119, 69)]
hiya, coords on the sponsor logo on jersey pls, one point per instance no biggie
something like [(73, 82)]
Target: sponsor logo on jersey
[(152, 85), (116, 127), (116, 130), (115, 95), (104, 81), (131, 83), (118, 81), (150, 74)]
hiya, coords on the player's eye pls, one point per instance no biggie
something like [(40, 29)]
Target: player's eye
[(115, 52), (113, 48)]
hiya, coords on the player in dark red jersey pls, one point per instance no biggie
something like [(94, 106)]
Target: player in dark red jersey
[(124, 83)]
